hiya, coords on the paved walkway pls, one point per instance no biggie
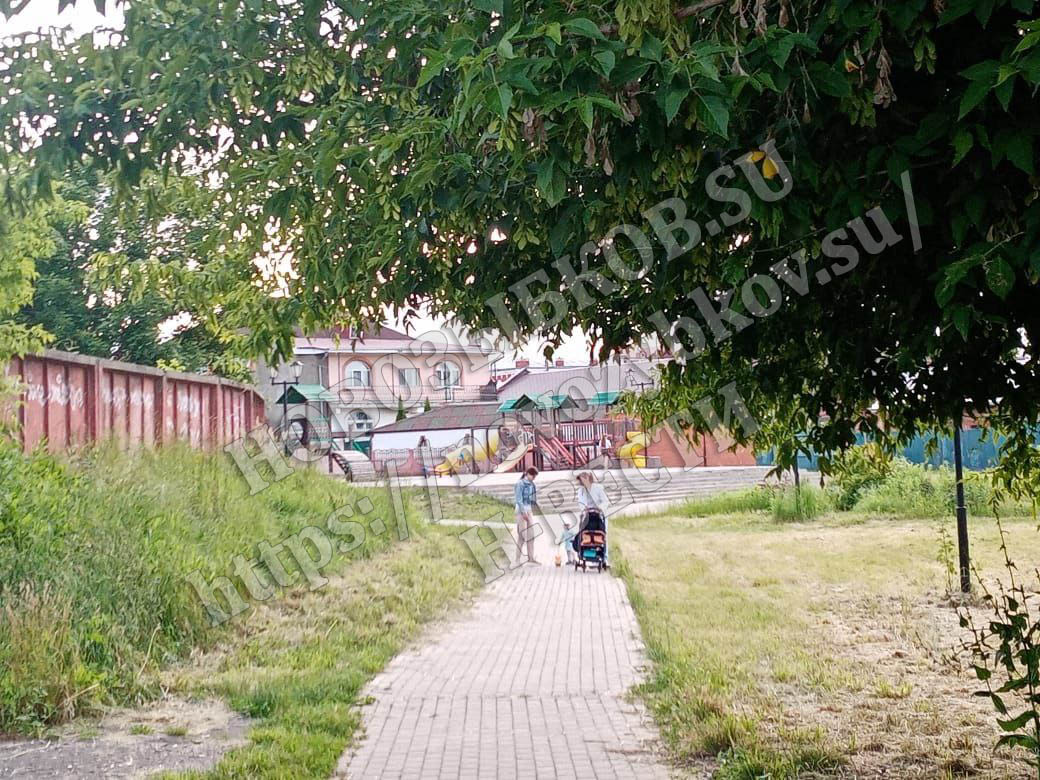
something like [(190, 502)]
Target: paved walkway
[(531, 682)]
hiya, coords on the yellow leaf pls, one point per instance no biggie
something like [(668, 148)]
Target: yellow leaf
[(756, 155), (850, 66), (769, 169)]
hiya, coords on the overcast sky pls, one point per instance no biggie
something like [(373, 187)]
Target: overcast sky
[(83, 17)]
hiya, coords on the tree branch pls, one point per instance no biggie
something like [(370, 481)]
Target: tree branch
[(681, 13)]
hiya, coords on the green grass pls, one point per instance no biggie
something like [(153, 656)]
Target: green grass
[(741, 614), (299, 665), (797, 504), (93, 558), (459, 503), (752, 500)]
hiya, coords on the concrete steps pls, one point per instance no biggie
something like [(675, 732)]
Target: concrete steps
[(631, 488)]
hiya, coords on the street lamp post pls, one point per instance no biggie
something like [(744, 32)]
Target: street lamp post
[(296, 367), (962, 513)]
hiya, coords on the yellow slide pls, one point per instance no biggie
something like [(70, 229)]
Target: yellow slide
[(467, 453), (635, 450), (513, 458)]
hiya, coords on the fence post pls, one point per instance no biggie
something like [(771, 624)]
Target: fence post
[(160, 411), (94, 408)]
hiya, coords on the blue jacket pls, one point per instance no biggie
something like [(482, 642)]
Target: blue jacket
[(525, 493)]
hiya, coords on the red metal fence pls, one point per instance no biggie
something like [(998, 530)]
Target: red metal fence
[(69, 400)]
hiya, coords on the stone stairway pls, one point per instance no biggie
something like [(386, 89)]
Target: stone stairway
[(630, 489)]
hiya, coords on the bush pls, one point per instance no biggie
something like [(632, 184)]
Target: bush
[(93, 559), (857, 470), (793, 504), (917, 491)]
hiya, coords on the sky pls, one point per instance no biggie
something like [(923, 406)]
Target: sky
[(83, 17)]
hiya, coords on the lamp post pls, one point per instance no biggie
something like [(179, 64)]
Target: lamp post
[(631, 380), (962, 513), (296, 367)]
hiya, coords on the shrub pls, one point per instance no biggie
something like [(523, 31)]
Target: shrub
[(857, 470), (793, 504)]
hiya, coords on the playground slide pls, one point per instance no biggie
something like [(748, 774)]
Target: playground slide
[(635, 450), (467, 453), (513, 458)]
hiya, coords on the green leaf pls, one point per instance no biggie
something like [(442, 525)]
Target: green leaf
[(505, 100), (1027, 42), (982, 672), (962, 322), (586, 112), (651, 49), (583, 26), (630, 69), (1000, 277), (1019, 150), (973, 95), (435, 62), (962, 143), (606, 61), (551, 181), (553, 33), (714, 113), (1014, 724), (829, 81), (670, 98), (1018, 740), (505, 49), (543, 176)]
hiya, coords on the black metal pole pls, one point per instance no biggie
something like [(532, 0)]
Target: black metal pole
[(797, 479), (962, 513)]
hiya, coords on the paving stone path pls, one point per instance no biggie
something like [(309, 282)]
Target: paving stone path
[(531, 682)]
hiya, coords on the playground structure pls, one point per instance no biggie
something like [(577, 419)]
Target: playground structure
[(550, 432)]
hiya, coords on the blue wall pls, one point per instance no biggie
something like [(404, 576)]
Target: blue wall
[(977, 454)]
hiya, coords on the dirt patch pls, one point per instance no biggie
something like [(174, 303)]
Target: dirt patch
[(913, 714), (172, 734)]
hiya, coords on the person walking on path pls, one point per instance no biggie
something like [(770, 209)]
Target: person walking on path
[(591, 495), (525, 495)]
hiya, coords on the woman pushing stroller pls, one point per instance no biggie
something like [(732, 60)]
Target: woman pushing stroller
[(593, 503)]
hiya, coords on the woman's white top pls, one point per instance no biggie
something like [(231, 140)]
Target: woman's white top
[(594, 497)]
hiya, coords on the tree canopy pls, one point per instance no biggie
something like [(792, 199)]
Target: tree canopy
[(107, 314), (455, 152)]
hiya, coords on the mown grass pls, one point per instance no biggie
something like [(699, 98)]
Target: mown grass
[(93, 558), (737, 614)]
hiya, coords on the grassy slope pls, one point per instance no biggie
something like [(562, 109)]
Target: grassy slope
[(738, 615), (298, 664), (93, 600)]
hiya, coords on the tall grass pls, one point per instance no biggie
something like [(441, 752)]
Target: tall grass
[(805, 502), (93, 555), (751, 500), (913, 490)]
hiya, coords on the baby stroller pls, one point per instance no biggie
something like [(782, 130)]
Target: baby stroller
[(591, 541)]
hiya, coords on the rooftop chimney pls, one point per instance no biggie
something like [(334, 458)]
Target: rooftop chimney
[(523, 363), (559, 362)]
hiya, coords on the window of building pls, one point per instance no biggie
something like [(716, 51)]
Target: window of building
[(359, 422), (448, 374), (408, 377), (358, 374)]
